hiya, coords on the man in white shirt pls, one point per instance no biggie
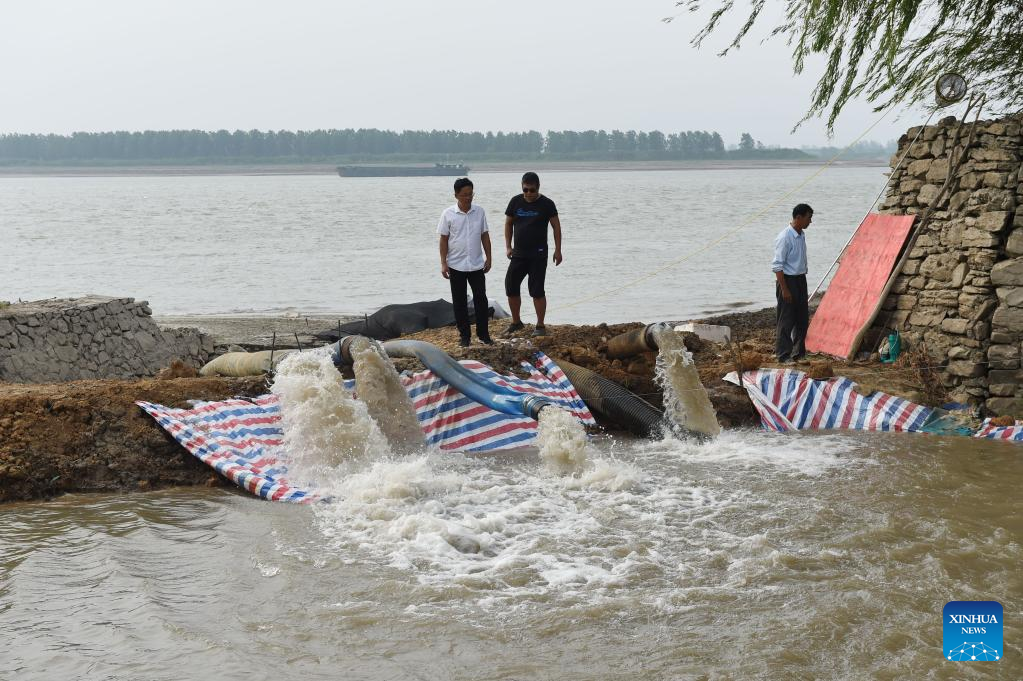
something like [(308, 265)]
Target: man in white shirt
[(789, 267), (465, 259)]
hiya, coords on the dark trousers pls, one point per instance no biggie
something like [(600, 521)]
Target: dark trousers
[(478, 283), (793, 319)]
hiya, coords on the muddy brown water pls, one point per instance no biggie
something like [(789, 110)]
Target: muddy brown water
[(757, 556)]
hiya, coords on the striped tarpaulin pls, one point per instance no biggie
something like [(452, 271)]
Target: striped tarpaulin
[(452, 421), (991, 432), (787, 399), (242, 439)]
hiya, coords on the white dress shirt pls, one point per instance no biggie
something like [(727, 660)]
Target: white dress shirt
[(465, 232)]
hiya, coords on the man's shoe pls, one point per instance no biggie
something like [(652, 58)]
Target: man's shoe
[(464, 341), (515, 326), (540, 331), (486, 340)]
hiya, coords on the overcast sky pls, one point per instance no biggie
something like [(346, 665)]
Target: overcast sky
[(397, 64)]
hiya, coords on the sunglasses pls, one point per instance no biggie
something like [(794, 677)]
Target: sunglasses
[(530, 190)]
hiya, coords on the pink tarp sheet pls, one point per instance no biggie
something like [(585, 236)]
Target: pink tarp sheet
[(854, 293)]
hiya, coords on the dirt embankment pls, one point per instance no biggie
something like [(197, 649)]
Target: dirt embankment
[(90, 435)]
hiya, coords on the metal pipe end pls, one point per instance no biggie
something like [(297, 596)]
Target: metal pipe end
[(343, 354), (648, 334), (533, 404)]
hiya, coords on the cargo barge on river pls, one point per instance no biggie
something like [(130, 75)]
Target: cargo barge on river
[(437, 169)]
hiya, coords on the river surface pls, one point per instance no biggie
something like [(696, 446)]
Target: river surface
[(324, 244), (754, 556)]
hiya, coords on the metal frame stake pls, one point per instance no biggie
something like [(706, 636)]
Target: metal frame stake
[(273, 344)]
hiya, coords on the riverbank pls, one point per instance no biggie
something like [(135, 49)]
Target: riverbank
[(89, 436), (250, 169), (233, 332)]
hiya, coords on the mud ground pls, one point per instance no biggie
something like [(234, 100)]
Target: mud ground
[(89, 436)]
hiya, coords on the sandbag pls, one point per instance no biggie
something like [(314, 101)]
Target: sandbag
[(244, 363)]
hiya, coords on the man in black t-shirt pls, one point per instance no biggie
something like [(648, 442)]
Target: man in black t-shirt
[(525, 239)]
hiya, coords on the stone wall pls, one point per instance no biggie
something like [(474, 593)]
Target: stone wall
[(960, 294), (92, 337)]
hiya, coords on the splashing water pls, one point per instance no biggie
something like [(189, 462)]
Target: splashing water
[(666, 519), (379, 387), (324, 425), (562, 441), (685, 399), (606, 475), (396, 481)]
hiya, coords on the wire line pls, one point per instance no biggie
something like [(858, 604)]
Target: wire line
[(757, 215)]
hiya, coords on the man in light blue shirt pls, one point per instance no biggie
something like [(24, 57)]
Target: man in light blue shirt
[(789, 267)]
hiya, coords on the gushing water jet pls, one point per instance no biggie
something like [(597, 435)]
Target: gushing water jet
[(378, 385), (685, 399)]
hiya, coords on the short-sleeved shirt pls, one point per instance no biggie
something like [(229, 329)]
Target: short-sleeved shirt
[(529, 225), (465, 233), (789, 252)]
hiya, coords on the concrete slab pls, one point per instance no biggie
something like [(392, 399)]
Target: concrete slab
[(708, 332)]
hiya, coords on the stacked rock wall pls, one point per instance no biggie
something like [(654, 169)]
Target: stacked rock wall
[(92, 337), (960, 294)]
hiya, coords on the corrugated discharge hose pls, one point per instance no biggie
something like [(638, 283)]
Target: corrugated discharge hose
[(613, 403)]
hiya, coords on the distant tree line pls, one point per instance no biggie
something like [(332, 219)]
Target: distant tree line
[(255, 145), (866, 149), (618, 144)]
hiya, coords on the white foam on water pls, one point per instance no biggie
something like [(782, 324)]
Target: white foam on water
[(324, 425), (685, 399), (798, 454), (576, 521), (510, 529), (267, 570), (408, 479), (753, 558), (605, 475), (565, 451)]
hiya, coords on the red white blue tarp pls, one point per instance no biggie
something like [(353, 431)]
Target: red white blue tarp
[(992, 432), (242, 438), (787, 399), (454, 422)]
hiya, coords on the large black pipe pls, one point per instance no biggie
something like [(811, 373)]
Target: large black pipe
[(612, 403), (632, 343)]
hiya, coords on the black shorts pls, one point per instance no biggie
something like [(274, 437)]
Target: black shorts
[(535, 267)]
